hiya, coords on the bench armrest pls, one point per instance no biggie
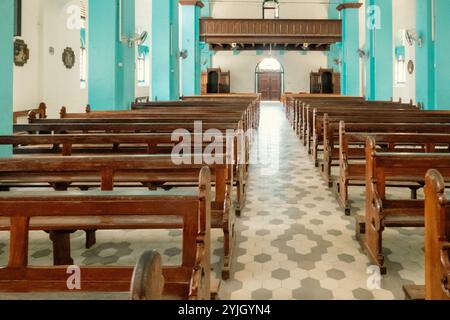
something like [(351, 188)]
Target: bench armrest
[(376, 203), (344, 165), (445, 260)]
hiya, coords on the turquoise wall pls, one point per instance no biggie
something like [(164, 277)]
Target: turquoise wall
[(190, 41), (379, 45), (346, 51), (442, 55), (111, 63), (335, 49), (165, 61), (6, 71), (425, 56), (350, 74), (206, 54), (432, 63)]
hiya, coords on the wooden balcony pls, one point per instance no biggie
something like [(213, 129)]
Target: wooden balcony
[(258, 34)]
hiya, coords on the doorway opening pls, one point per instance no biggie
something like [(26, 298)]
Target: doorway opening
[(327, 82), (269, 79)]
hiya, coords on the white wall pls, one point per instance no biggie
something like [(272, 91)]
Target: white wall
[(297, 67), (27, 93), (45, 78), (144, 23), (295, 9), (404, 17)]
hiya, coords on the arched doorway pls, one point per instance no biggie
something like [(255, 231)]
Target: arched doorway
[(269, 78)]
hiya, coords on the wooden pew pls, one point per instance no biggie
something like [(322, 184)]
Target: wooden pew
[(241, 156), (334, 131), (303, 109), (190, 280), (437, 242), (251, 104), (40, 112), (160, 169), (351, 155), (382, 212), (162, 113), (377, 116), (295, 108)]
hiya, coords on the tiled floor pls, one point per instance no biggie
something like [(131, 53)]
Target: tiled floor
[(293, 240)]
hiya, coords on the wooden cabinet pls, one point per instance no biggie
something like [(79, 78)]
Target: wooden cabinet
[(215, 81), (325, 81)]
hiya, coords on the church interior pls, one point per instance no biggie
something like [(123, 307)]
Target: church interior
[(224, 150)]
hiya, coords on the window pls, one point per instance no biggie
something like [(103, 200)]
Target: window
[(141, 67), (271, 9), (401, 71), (400, 66), (83, 52)]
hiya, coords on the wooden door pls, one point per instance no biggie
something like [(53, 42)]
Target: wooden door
[(269, 85)]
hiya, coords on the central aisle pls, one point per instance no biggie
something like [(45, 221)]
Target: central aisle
[(293, 240)]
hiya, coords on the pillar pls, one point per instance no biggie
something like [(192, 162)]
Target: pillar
[(379, 66), (350, 71), (425, 55), (111, 77), (335, 53), (6, 71), (165, 50), (442, 49), (206, 54), (432, 64), (190, 41)]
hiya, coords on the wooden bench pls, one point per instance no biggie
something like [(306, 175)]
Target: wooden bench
[(292, 101), (40, 112), (377, 116), (68, 172), (437, 242), (190, 280), (241, 156), (382, 212), (331, 137), (304, 110), (352, 161)]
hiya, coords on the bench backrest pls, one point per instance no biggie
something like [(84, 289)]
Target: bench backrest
[(195, 212), (382, 166), (133, 127), (437, 238), (40, 112)]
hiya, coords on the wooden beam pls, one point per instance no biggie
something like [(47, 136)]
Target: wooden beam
[(349, 5)]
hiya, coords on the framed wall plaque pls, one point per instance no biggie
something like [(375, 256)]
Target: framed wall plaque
[(21, 53), (410, 66), (68, 58)]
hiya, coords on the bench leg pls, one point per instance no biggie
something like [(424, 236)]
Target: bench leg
[(61, 248), (414, 193), (91, 239), (228, 242), (373, 243), (341, 193)]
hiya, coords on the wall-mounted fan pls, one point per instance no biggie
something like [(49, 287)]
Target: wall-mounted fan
[(362, 54), (183, 54), (411, 37)]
